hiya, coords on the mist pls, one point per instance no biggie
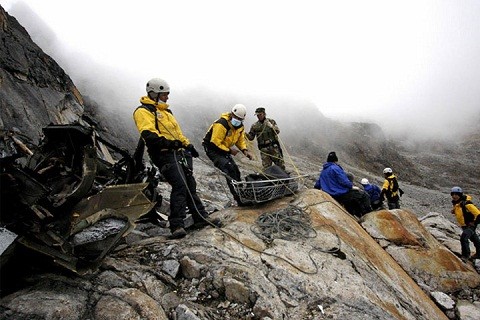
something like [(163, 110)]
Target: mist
[(429, 91)]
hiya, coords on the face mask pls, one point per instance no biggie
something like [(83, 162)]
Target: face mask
[(236, 122)]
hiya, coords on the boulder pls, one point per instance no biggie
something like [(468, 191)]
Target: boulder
[(432, 265)]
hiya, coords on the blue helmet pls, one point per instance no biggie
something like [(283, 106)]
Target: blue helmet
[(456, 190)]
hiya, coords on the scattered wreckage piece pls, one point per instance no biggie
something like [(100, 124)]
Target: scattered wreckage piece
[(69, 198), (98, 223)]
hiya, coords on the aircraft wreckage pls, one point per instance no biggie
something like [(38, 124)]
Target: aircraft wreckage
[(72, 197), (75, 195)]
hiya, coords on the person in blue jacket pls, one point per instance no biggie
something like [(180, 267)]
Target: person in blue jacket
[(334, 181), (374, 192)]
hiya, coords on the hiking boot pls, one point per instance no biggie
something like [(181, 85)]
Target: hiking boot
[(178, 233), (475, 256), (206, 221)]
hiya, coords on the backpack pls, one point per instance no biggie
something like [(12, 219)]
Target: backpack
[(206, 139), (466, 213)]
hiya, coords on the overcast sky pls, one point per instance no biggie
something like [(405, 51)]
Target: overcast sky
[(413, 65)]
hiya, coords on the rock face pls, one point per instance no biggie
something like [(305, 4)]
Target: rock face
[(334, 269), (425, 259), (35, 91)]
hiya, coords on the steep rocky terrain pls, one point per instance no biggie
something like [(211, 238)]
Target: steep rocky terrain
[(209, 275)]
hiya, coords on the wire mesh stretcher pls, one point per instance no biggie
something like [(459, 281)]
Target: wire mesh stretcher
[(265, 190)]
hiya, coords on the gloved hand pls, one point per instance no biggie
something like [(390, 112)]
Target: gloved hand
[(190, 148), (248, 154), (176, 144)]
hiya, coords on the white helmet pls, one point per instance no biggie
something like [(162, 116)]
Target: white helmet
[(387, 170), (239, 110), (157, 85), (364, 181)]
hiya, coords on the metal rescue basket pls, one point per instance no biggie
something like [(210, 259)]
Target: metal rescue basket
[(256, 191)]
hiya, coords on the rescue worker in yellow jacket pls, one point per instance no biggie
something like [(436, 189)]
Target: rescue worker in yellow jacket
[(468, 217), (224, 139), (391, 190), (172, 153)]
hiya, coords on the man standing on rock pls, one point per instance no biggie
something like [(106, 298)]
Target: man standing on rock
[(172, 153), (391, 190), (468, 217), (266, 131)]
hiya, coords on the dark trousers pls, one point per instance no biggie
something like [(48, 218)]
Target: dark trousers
[(227, 165), (469, 233), (356, 202), (393, 204), (177, 168), (376, 204)]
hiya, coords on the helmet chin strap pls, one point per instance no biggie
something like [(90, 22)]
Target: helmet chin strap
[(154, 96)]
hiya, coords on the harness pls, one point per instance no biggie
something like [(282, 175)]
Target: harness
[(467, 215), (140, 149), (392, 188), (207, 144)]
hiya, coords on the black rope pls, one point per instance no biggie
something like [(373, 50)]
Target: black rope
[(291, 224), (287, 224)]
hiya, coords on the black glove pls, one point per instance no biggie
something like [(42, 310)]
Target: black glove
[(176, 144), (190, 148)]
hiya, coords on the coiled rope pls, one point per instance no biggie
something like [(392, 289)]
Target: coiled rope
[(285, 224)]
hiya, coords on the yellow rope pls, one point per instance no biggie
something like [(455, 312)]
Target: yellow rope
[(284, 152)]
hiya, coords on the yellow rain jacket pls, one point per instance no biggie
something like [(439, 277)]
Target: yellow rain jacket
[(223, 135), (157, 125), (390, 188), (472, 213)]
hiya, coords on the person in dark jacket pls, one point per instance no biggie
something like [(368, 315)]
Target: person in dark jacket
[(468, 217), (172, 153), (374, 193), (334, 181), (391, 189)]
